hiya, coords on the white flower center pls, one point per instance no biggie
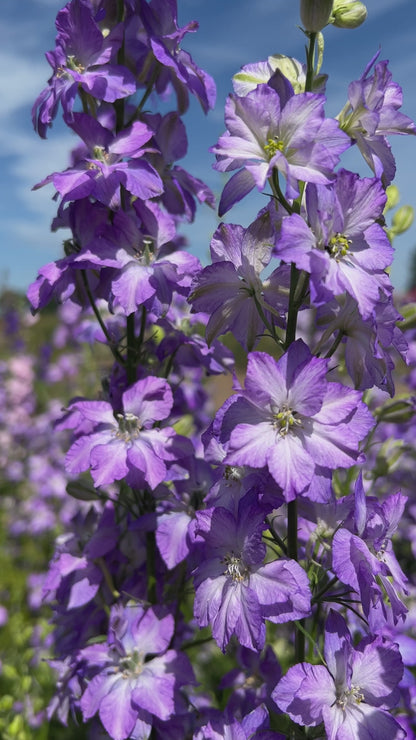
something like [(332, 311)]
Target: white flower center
[(129, 427), (131, 664), (235, 567), (350, 696)]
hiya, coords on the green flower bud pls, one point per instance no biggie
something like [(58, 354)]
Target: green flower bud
[(393, 197), (348, 13), (402, 219), (315, 14)]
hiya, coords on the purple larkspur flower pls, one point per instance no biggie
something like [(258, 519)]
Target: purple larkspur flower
[(102, 168), (137, 247), (231, 291), (341, 246), (290, 418), (138, 678), (81, 59), (252, 680), (352, 694), (126, 444), (254, 724), (364, 559), (234, 591), (372, 113), (368, 343), (266, 132), (159, 54), (181, 189)]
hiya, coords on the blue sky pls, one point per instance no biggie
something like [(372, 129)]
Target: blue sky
[(232, 33)]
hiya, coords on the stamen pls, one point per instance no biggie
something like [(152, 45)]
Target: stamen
[(338, 246), (285, 419), (235, 567)]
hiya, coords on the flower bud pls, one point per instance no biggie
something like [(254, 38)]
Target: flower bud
[(315, 14), (402, 219), (348, 13)]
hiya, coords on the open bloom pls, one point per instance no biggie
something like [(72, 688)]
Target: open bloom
[(352, 694), (138, 678), (82, 59), (126, 444), (235, 591), (372, 113), (294, 421), (341, 245), (232, 291), (106, 163), (265, 130)]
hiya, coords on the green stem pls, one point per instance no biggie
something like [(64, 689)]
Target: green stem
[(335, 345), (131, 350), (310, 62), (98, 316)]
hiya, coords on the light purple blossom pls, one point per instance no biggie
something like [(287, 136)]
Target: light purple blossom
[(126, 443), (339, 242), (290, 418), (372, 113), (163, 58), (368, 344), (81, 59), (144, 267), (352, 693), (231, 290), (235, 591), (101, 168), (138, 678), (364, 559), (266, 132)]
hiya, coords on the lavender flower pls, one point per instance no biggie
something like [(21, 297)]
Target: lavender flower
[(265, 131), (235, 592), (81, 59), (138, 678), (101, 169), (363, 556), (342, 248), (372, 113), (162, 58), (231, 290), (126, 444), (352, 694), (292, 420)]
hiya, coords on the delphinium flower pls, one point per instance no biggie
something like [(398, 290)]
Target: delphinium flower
[(234, 591), (265, 131), (231, 291), (339, 242), (372, 113), (363, 556), (142, 266), (254, 724), (155, 49), (181, 189), (82, 59), (126, 443), (259, 73), (252, 680), (108, 162), (369, 344), (352, 694), (135, 676), (290, 418)]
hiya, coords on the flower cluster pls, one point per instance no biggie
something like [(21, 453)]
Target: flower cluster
[(261, 522)]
